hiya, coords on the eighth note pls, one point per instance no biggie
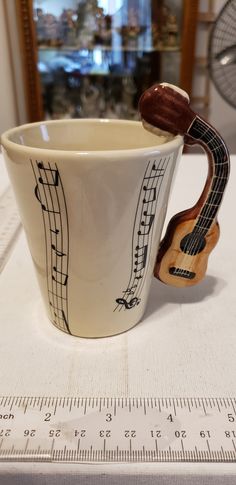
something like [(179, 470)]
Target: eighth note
[(152, 193), (63, 277), (58, 312), (160, 171), (58, 253), (53, 173), (147, 225)]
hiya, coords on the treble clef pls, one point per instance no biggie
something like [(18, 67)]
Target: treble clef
[(128, 305)]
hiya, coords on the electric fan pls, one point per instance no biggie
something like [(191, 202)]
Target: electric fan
[(222, 53)]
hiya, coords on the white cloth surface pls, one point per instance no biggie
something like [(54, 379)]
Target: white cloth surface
[(184, 347)]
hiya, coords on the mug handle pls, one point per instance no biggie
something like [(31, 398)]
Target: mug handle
[(191, 234)]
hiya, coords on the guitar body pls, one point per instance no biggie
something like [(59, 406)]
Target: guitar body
[(183, 256), (192, 234)]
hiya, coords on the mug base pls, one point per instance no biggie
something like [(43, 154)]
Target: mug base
[(92, 337)]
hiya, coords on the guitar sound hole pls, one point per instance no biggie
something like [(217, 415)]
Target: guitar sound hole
[(192, 244)]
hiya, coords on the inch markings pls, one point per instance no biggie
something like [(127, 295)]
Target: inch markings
[(79, 429)]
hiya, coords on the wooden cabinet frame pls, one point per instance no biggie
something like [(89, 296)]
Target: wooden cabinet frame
[(28, 43)]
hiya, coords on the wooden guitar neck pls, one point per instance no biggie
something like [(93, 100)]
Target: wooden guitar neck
[(192, 234)]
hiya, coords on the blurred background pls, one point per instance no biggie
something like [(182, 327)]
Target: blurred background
[(94, 58)]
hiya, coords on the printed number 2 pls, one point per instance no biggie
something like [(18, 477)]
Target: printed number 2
[(47, 417)]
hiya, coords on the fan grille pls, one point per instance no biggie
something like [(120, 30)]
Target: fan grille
[(223, 36)]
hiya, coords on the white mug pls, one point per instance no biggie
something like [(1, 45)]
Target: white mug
[(92, 195)]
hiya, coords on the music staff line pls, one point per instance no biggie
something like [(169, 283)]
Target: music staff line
[(135, 278), (134, 284), (154, 209), (53, 184), (144, 233), (49, 180), (48, 184)]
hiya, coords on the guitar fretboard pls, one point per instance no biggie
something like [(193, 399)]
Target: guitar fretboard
[(208, 137)]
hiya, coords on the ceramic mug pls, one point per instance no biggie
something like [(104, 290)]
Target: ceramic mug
[(93, 194)]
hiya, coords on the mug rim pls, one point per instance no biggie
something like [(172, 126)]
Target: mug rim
[(5, 141)]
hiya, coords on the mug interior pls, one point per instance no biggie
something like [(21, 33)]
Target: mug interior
[(85, 135)]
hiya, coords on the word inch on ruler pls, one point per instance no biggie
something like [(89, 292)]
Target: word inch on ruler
[(117, 429)]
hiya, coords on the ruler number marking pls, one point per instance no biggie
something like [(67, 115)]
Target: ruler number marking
[(142, 423), (48, 416)]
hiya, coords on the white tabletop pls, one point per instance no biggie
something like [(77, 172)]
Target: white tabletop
[(184, 347)]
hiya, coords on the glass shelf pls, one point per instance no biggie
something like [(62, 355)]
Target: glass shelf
[(109, 49), (96, 57)]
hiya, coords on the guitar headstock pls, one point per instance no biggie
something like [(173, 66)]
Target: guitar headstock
[(166, 107)]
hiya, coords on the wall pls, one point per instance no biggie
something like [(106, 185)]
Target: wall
[(222, 116), (8, 113)]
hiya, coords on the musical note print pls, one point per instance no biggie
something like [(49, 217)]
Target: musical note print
[(46, 205), (144, 224), (61, 278), (58, 253), (141, 258), (128, 305), (55, 231), (49, 193), (49, 176), (150, 193)]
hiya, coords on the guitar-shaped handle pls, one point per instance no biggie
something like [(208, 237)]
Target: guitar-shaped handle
[(192, 234)]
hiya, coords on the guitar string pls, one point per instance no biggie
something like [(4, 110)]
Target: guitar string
[(194, 242), (216, 183), (180, 271), (216, 180), (189, 246)]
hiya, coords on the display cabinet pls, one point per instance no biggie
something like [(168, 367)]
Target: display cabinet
[(94, 58)]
